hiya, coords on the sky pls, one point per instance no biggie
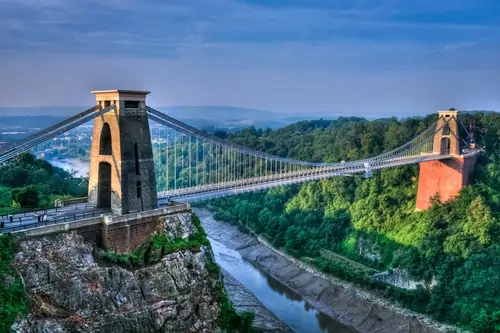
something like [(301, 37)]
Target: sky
[(358, 57)]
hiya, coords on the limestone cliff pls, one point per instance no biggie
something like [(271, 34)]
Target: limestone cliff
[(71, 289)]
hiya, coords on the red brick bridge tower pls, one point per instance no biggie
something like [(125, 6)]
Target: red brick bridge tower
[(445, 177)]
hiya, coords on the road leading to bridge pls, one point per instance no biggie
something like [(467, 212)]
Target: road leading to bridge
[(45, 217)]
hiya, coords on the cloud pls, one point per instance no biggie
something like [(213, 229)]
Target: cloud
[(259, 53)]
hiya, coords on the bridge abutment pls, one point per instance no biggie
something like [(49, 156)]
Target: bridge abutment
[(120, 234), (124, 236), (445, 177)]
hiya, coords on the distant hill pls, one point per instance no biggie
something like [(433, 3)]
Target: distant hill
[(28, 122), (228, 113), (237, 117), (33, 118), (58, 111)]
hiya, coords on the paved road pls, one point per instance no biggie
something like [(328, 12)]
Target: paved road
[(50, 216)]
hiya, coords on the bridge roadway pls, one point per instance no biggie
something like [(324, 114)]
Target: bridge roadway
[(224, 189), (44, 217)]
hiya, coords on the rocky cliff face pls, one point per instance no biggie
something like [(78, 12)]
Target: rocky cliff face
[(71, 290)]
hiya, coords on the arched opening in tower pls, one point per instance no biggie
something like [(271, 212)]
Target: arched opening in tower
[(445, 146), (104, 185), (139, 189), (105, 147), (139, 195), (446, 129)]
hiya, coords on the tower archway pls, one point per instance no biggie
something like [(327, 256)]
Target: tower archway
[(105, 143), (104, 185), (445, 146)]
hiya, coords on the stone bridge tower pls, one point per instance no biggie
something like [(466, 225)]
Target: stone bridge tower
[(447, 141), (122, 175), (445, 177)]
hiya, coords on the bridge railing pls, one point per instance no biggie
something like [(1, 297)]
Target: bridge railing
[(8, 227)]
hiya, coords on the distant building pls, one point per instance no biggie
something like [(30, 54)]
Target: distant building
[(3, 144)]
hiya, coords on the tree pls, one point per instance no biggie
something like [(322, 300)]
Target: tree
[(479, 221), (27, 196)]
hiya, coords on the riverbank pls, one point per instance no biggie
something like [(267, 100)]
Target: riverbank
[(342, 301)]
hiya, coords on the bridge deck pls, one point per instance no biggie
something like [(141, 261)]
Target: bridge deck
[(22, 221), (44, 217)]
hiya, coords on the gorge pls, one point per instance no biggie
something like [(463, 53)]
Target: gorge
[(369, 221)]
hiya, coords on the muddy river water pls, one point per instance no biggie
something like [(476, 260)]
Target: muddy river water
[(286, 304)]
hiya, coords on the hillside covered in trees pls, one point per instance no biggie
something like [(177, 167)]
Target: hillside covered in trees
[(29, 182), (456, 245)]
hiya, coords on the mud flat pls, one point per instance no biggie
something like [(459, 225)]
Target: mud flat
[(360, 310)]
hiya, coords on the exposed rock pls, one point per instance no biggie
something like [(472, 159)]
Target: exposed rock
[(71, 292), (179, 225), (400, 278), (368, 250)]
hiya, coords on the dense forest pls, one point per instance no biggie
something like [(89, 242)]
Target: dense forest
[(453, 247), (29, 182)]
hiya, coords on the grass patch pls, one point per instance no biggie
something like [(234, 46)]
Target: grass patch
[(152, 251), (13, 302)]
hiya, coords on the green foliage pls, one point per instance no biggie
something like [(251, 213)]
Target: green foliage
[(157, 246), (372, 221), (12, 296), (27, 196), (29, 182)]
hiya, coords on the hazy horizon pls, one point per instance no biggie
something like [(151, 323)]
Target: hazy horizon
[(62, 111), (359, 57)]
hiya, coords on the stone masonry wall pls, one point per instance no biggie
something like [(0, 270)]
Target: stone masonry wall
[(122, 234), (126, 233), (125, 237)]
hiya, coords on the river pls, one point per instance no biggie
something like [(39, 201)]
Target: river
[(286, 304), (80, 167)]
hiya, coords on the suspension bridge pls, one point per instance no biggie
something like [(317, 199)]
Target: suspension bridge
[(129, 173)]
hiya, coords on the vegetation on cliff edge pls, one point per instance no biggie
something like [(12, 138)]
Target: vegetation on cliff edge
[(12, 296)]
